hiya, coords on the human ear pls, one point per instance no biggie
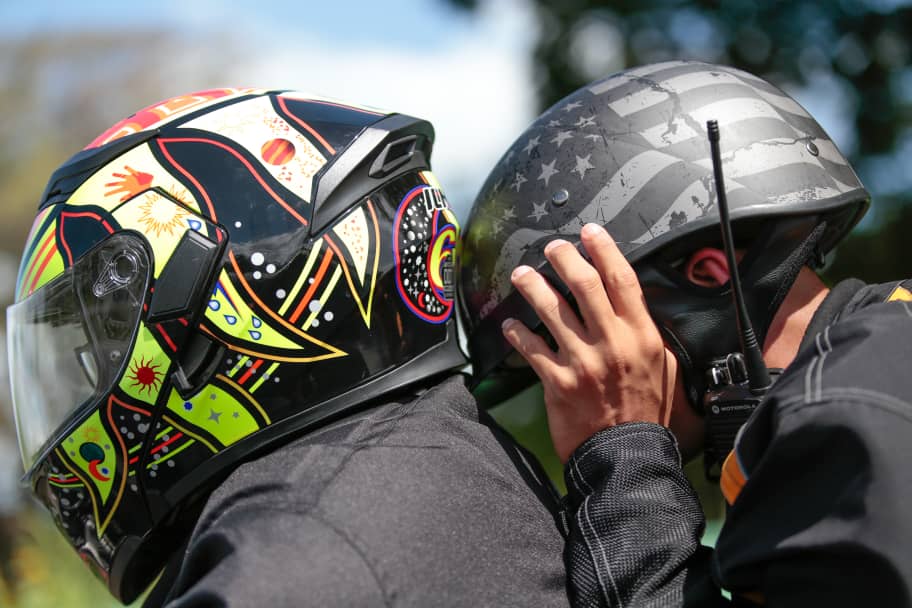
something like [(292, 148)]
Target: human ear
[(707, 267)]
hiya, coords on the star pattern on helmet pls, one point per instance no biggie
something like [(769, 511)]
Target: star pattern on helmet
[(548, 171), (531, 144), (539, 210), (561, 137), (518, 180), (586, 133), (583, 165), (558, 152), (585, 121)]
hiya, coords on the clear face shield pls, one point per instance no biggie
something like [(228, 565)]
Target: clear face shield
[(68, 340)]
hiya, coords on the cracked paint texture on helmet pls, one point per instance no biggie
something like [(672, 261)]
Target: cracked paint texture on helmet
[(632, 154)]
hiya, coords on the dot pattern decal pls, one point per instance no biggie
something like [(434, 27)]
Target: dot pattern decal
[(424, 243)]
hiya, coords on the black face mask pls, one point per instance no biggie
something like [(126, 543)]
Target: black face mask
[(699, 323)]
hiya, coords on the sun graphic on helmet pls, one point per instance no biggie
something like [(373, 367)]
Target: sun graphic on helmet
[(159, 216), (145, 375)]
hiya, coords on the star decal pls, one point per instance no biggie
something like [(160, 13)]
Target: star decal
[(539, 211), (561, 137), (583, 165), (548, 171), (214, 416), (508, 214), (518, 181), (531, 144), (585, 121), (496, 227), (554, 123), (572, 106)]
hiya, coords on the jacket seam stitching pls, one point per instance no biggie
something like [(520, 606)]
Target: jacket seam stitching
[(832, 395), (604, 559)]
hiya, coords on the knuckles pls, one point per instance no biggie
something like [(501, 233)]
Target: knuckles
[(623, 277), (585, 281), (587, 371), (564, 384), (652, 346), (547, 308)]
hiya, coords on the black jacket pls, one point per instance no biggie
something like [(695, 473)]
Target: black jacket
[(819, 484), (421, 503)]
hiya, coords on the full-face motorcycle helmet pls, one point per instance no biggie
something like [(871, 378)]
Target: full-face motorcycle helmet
[(208, 277)]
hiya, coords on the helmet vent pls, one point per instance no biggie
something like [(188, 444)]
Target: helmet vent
[(393, 156)]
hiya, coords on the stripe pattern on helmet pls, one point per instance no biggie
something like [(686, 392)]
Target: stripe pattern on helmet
[(631, 153)]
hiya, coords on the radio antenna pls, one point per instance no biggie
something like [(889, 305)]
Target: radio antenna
[(757, 374)]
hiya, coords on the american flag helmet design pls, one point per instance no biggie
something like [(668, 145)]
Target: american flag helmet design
[(630, 152)]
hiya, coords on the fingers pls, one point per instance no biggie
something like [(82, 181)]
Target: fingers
[(584, 282), (531, 346), (620, 280), (550, 307)]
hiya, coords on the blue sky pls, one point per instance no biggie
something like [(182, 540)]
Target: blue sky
[(361, 22)]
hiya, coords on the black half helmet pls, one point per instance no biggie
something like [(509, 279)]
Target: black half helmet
[(209, 276), (630, 152)]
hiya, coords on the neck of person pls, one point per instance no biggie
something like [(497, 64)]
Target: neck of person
[(792, 319)]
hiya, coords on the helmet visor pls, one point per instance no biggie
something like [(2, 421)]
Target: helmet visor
[(67, 341)]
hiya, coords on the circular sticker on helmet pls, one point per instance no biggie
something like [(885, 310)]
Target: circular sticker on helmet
[(425, 234)]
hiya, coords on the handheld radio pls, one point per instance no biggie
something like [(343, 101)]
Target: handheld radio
[(737, 382)]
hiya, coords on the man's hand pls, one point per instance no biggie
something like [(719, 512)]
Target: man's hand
[(611, 365)]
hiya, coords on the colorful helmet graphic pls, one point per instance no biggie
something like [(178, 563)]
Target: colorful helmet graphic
[(207, 277), (630, 152)]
